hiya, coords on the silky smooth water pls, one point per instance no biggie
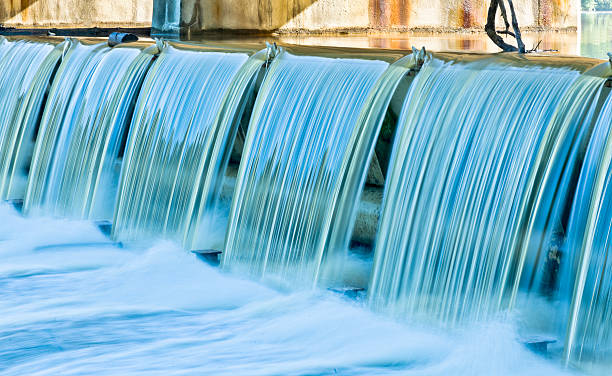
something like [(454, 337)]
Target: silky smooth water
[(177, 133), (588, 249), (481, 161), (74, 303), (76, 169), (303, 122), (26, 69)]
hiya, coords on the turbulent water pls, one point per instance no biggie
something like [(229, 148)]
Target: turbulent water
[(74, 303)]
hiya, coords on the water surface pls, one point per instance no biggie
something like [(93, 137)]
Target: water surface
[(73, 303)]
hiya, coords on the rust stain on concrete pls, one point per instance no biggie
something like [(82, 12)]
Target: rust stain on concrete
[(545, 13), (378, 13), (400, 12), (389, 13)]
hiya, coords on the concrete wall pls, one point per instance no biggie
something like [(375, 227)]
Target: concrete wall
[(76, 13), (287, 15), (328, 15)]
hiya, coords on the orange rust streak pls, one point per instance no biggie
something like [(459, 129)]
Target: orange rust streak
[(545, 13), (400, 12), (378, 13)]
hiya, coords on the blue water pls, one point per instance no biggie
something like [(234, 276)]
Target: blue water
[(74, 303)]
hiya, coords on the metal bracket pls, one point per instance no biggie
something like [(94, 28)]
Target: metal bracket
[(272, 51), (418, 58), (210, 256), (116, 38)]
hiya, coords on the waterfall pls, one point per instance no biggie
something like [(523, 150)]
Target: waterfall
[(25, 71), (76, 161), (178, 140), (302, 124), (496, 199), (589, 248), (476, 145)]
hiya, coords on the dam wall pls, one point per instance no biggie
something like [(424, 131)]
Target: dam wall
[(75, 13), (310, 16), (356, 15)]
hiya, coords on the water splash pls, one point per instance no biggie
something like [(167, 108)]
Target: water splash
[(133, 311)]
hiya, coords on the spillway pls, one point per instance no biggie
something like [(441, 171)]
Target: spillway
[(589, 336), (75, 163), (292, 161), (26, 71), (180, 129), (456, 190), (471, 173)]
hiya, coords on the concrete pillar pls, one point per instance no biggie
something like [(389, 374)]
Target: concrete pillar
[(166, 17)]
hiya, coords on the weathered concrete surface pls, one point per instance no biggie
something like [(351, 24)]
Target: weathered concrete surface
[(333, 15), (75, 13)]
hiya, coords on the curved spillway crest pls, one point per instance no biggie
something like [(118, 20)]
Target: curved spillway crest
[(179, 131), (75, 169), (26, 69), (477, 147), (302, 124)]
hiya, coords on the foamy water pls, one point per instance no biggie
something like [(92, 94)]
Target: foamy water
[(74, 303)]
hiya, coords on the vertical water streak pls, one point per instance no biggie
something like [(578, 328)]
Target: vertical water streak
[(25, 72), (78, 63), (465, 168), (589, 248), (339, 222), (78, 167), (175, 132), (303, 122)]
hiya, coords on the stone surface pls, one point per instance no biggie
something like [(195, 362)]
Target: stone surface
[(334, 15), (280, 15), (75, 13)]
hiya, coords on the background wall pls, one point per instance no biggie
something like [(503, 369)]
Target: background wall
[(322, 15), (287, 15), (76, 13)]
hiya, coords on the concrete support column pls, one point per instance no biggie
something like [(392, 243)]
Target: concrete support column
[(166, 17)]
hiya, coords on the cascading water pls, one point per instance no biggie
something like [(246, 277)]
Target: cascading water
[(78, 58), (179, 136), (588, 253), (302, 124), (77, 165), (496, 197), (476, 142), (26, 69)]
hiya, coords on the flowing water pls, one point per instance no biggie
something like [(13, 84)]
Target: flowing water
[(495, 220), (74, 303), (302, 124), (453, 241), (26, 69), (589, 335), (176, 135), (76, 156)]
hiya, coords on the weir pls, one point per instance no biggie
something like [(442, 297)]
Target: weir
[(180, 139), (490, 174), (75, 167)]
